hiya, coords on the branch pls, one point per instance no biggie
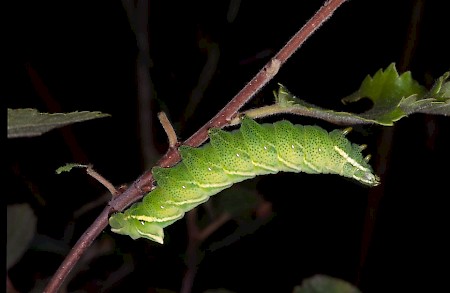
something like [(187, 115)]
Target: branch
[(144, 183), (266, 73)]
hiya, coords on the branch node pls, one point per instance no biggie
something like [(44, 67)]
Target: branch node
[(272, 68)]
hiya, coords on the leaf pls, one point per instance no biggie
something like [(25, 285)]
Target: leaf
[(441, 90), (325, 284), (21, 227), (394, 96), (435, 101), (69, 166), (30, 122)]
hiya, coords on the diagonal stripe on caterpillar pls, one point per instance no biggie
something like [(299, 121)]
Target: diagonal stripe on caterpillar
[(230, 157)]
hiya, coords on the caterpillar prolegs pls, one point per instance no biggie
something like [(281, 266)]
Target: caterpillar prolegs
[(230, 157)]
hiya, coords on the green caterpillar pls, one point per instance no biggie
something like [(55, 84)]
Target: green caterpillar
[(231, 157)]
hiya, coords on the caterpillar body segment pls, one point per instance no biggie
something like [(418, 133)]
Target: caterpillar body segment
[(230, 157)]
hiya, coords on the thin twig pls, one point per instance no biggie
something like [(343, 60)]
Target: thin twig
[(144, 183), (204, 79), (92, 205), (168, 128), (329, 116), (213, 226), (196, 238), (266, 73), (192, 252), (54, 107), (102, 180), (137, 12)]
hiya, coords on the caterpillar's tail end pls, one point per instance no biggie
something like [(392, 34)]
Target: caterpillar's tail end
[(121, 224)]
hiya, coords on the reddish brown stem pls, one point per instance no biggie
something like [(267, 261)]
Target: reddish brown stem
[(266, 73), (144, 183)]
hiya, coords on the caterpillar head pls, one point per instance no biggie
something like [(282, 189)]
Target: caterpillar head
[(366, 177), (355, 165), (124, 224)]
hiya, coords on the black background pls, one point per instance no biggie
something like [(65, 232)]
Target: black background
[(85, 54)]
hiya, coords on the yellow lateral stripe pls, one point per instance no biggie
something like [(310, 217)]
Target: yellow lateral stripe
[(350, 160), (154, 219), (216, 185), (312, 166), (250, 174), (288, 164), (180, 203), (153, 237), (265, 167)]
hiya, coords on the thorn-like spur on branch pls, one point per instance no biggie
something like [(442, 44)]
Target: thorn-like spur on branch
[(168, 128)]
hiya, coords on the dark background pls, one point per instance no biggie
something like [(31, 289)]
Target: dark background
[(76, 56)]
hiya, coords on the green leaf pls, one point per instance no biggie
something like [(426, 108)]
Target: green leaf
[(394, 96), (387, 87), (325, 284), (21, 227), (30, 122), (69, 166), (436, 101)]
